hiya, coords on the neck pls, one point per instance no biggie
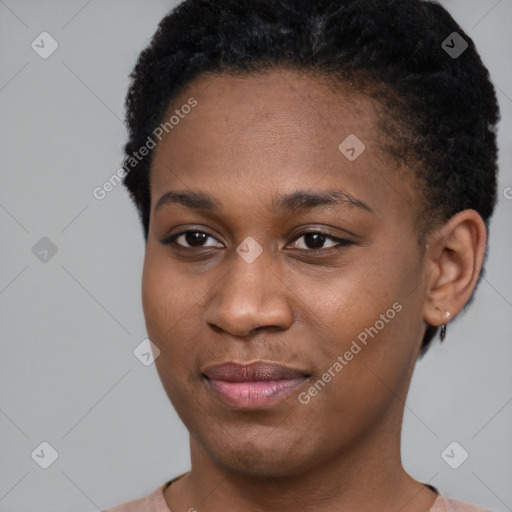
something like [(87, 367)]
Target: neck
[(367, 477)]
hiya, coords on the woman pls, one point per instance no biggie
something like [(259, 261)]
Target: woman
[(315, 182)]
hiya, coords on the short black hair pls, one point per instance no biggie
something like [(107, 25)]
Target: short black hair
[(440, 108)]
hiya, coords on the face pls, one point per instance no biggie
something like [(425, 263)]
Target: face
[(269, 243)]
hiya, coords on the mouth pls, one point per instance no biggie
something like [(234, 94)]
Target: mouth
[(253, 386)]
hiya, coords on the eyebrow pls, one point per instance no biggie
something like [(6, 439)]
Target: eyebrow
[(288, 203)]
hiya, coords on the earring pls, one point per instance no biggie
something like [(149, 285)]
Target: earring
[(443, 327)]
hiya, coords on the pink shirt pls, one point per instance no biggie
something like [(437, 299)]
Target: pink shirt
[(155, 502)]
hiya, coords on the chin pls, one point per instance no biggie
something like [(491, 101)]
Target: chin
[(262, 455)]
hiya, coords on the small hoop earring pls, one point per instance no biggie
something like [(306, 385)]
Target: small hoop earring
[(443, 327)]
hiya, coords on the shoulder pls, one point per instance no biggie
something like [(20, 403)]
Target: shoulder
[(444, 504), (153, 502), (138, 505)]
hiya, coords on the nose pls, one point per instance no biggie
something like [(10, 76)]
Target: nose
[(250, 296)]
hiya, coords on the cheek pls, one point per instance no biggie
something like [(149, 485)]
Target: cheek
[(370, 381), (170, 307), (372, 318), (169, 315), (352, 299)]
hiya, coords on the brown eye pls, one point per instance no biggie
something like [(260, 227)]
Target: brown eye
[(190, 239), (315, 240), (195, 238)]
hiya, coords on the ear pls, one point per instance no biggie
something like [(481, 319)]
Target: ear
[(454, 257)]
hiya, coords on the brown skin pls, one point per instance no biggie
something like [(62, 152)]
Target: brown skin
[(250, 139)]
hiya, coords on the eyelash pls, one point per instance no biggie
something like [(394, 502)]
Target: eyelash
[(342, 242)]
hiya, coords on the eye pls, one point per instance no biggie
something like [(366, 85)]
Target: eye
[(192, 238), (314, 241)]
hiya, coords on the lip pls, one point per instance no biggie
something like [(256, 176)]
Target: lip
[(254, 385)]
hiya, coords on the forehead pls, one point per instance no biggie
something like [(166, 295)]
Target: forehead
[(277, 103), (279, 130)]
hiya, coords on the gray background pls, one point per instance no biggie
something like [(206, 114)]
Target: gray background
[(68, 375)]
